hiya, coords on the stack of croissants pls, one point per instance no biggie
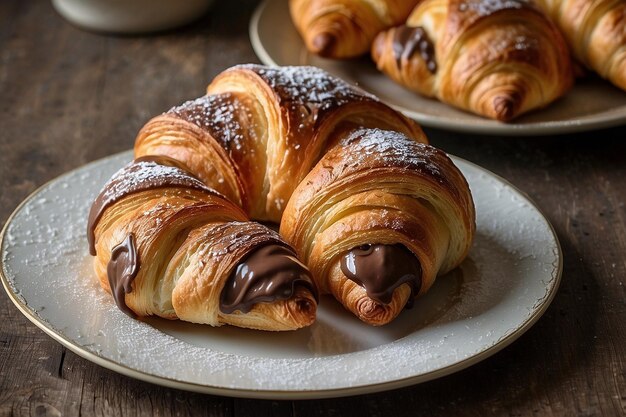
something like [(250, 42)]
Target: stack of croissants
[(367, 211), (495, 58)]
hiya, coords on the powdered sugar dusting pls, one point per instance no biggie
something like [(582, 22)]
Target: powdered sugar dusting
[(392, 149), (524, 42), (141, 175), (307, 84), (220, 115), (508, 279), (239, 235), (487, 7)]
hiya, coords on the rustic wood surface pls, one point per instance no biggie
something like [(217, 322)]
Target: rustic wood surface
[(69, 97)]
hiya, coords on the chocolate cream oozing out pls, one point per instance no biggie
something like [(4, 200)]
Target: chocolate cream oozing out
[(269, 273), (145, 173), (122, 270), (380, 269), (409, 40)]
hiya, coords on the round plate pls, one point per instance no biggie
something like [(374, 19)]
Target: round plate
[(500, 290), (592, 103)]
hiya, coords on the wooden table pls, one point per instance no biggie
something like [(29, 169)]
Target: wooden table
[(69, 97)]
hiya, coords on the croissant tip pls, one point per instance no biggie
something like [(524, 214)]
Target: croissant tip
[(324, 43), (374, 313), (306, 306), (505, 106), (305, 310), (378, 46)]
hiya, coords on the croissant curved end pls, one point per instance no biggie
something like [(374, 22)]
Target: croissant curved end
[(324, 44), (377, 314), (294, 313), (355, 299), (506, 106), (303, 307), (373, 313)]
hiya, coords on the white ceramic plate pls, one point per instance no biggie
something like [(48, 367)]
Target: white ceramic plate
[(592, 103), (504, 286)]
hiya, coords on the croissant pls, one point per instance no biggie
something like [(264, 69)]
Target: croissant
[(168, 245), (332, 162), (495, 58), (377, 219), (345, 28), (263, 129), (595, 31)]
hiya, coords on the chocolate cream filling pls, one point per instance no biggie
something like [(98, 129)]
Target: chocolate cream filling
[(145, 173), (380, 269), (409, 40), (122, 270), (269, 273)]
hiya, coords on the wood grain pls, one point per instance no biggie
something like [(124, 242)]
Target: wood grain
[(69, 97)]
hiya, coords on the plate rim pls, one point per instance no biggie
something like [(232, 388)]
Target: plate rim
[(494, 128), (300, 394)]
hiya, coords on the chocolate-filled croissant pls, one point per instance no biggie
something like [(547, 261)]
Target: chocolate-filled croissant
[(595, 31), (495, 58), (299, 147), (377, 219), (168, 245), (345, 28)]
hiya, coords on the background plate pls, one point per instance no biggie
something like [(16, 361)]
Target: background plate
[(501, 289), (592, 103)]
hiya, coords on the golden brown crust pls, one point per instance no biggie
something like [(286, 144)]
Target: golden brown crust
[(595, 31), (379, 187), (291, 116), (345, 28), (188, 243), (498, 59), (258, 135), (355, 298), (207, 257)]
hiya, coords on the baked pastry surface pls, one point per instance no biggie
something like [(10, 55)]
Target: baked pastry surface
[(345, 28), (495, 58), (356, 191), (595, 31)]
